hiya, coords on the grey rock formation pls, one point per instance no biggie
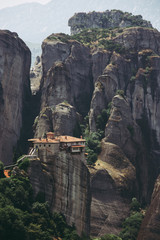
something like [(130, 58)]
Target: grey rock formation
[(136, 72), (112, 182), (126, 133), (65, 181), (36, 75), (14, 90), (62, 119), (67, 79), (66, 74), (107, 19), (43, 123), (150, 226), (131, 144), (65, 113), (41, 180)]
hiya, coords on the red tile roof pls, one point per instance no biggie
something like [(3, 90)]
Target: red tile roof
[(75, 146), (62, 139)]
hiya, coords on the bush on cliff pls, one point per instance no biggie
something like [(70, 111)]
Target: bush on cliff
[(110, 237), (131, 226)]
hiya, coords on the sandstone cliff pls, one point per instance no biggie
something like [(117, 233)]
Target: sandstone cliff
[(107, 19), (14, 90), (65, 181)]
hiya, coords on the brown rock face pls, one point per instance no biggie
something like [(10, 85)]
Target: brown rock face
[(136, 72), (67, 77), (14, 90), (150, 226), (65, 180), (112, 183), (67, 81)]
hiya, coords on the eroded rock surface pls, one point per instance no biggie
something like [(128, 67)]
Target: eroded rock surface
[(136, 72), (112, 184), (107, 19), (150, 226), (14, 90), (65, 181), (36, 75), (127, 62)]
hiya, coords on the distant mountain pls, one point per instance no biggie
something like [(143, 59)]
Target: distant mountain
[(34, 22)]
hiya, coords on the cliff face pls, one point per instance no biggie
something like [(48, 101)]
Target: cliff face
[(150, 226), (14, 90), (66, 74), (66, 86), (112, 183), (90, 72), (133, 123), (107, 19), (65, 181)]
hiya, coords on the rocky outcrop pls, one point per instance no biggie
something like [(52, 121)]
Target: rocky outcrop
[(124, 68), (41, 180), (136, 72), (150, 226), (43, 123), (126, 133), (53, 119), (65, 113), (66, 86), (67, 76), (14, 91), (112, 184), (36, 75), (107, 19), (65, 181)]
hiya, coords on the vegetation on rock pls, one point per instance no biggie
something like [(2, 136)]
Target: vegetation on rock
[(130, 226), (93, 139), (93, 38), (23, 218)]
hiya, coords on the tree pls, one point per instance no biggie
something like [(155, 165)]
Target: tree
[(11, 224), (110, 237), (2, 170), (131, 226)]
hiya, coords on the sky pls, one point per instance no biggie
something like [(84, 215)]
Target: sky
[(10, 3)]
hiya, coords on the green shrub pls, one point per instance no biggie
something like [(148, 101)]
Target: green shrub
[(135, 205), (120, 92), (102, 120), (133, 78), (110, 237), (131, 226), (131, 130), (24, 164), (22, 218)]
